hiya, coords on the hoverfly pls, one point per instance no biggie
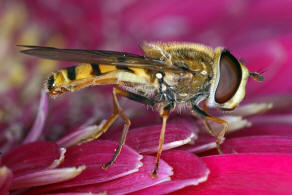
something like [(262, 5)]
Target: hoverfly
[(166, 75)]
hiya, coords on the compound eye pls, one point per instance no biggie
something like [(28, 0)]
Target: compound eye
[(230, 77)]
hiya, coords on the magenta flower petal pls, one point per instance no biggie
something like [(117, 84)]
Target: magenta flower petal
[(5, 180), (39, 122), (245, 174), (188, 170), (76, 193), (251, 109), (79, 135), (95, 154), (45, 177), (188, 122), (146, 139), (31, 157), (273, 124), (130, 183), (258, 144), (203, 143)]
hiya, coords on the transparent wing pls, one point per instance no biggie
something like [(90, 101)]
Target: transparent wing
[(97, 57)]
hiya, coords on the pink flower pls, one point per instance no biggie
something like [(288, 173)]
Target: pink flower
[(257, 149)]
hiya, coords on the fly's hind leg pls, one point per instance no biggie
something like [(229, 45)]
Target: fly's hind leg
[(110, 121), (119, 111), (206, 117)]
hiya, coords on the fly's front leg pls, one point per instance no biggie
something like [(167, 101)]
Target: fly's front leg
[(220, 136), (164, 113), (207, 125)]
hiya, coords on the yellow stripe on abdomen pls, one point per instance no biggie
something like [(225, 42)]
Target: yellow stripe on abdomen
[(83, 71), (106, 68)]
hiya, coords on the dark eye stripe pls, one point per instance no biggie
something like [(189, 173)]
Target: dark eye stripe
[(230, 77)]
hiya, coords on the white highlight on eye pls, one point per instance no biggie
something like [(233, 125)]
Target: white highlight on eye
[(158, 75)]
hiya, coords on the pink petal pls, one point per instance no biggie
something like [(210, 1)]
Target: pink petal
[(204, 142), (251, 109), (95, 154), (31, 157), (245, 174), (5, 180), (146, 139), (255, 144), (258, 144), (79, 135), (45, 177), (279, 119), (188, 170), (130, 183), (280, 102), (186, 121), (39, 122), (76, 193), (265, 129)]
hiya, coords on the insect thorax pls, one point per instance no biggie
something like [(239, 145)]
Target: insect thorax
[(194, 60), (182, 87)]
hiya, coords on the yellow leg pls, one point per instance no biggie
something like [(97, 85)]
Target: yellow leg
[(117, 110), (109, 122), (164, 115), (203, 114), (220, 135)]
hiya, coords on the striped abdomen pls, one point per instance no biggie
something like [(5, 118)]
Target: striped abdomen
[(83, 75)]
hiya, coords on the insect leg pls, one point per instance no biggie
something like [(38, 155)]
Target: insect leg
[(164, 113), (119, 110), (109, 122), (220, 136), (207, 125)]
